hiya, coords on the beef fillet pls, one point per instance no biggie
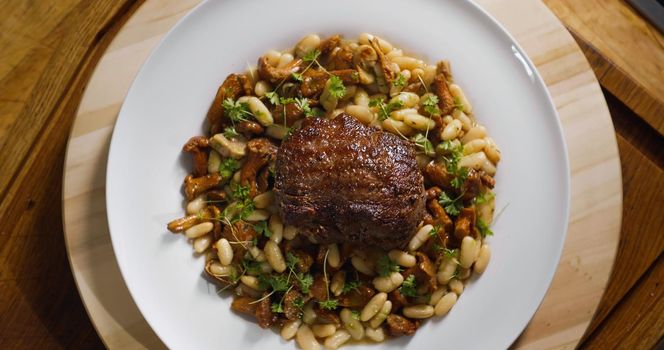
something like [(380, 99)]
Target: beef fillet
[(341, 181)]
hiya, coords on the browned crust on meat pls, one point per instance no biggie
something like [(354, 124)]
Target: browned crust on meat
[(340, 181)]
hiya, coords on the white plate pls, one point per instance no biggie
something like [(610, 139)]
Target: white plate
[(168, 102)]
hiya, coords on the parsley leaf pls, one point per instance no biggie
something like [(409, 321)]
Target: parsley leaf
[(236, 111), (423, 143), (350, 285), (409, 286), (336, 87), (291, 261), (434, 231), (297, 77), (306, 281), (240, 192), (329, 304), (451, 206), (452, 155), (311, 56), (484, 197), (483, 227), (251, 267), (273, 97), (461, 176), (303, 105), (400, 81), (449, 253), (230, 132), (384, 110), (262, 229), (278, 283), (386, 266), (228, 167), (430, 104), (277, 308)]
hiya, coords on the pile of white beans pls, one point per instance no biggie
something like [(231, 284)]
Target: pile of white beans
[(479, 152)]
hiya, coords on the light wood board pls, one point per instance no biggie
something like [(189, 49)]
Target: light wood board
[(596, 205)]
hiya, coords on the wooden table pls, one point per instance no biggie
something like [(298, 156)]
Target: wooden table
[(48, 53)]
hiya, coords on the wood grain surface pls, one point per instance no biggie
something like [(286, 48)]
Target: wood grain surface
[(626, 52), (49, 50)]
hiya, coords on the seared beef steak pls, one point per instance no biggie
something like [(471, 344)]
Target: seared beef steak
[(340, 181)]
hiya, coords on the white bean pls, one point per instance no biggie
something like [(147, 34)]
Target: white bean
[(258, 109), (382, 314), (418, 311), (467, 252), (400, 114), (251, 282), (409, 63), (394, 53), (361, 97), (214, 161), (333, 257), (218, 270), (451, 130), (224, 251), (256, 253), (435, 296), (261, 88), (202, 243), (419, 122), (429, 74), (352, 324), (483, 259), (447, 270), (456, 286), (323, 330), (337, 339), (420, 237), (373, 306), (305, 338), (445, 304), (477, 132), (290, 232), (375, 334), (290, 328), (337, 283), (285, 59), (456, 91), (474, 146), (408, 99), (402, 258), (258, 215), (388, 283), (272, 57), (308, 313), (397, 127), (276, 227), (417, 72), (361, 265), (361, 113), (264, 200), (196, 205), (307, 44), (274, 256), (465, 120), (475, 160), (364, 38), (243, 289), (491, 150), (199, 230)]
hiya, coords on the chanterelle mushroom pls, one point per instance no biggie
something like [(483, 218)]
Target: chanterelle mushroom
[(384, 74), (274, 74), (261, 152)]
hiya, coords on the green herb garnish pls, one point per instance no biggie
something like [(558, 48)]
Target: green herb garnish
[(430, 105), (384, 109), (386, 266), (451, 206), (409, 287), (483, 227)]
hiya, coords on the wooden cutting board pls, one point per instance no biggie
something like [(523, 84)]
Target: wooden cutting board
[(596, 206)]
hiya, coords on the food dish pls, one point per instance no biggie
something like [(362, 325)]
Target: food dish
[(133, 247), (307, 196)]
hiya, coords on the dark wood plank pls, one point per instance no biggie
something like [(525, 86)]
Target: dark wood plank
[(39, 303), (641, 240)]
